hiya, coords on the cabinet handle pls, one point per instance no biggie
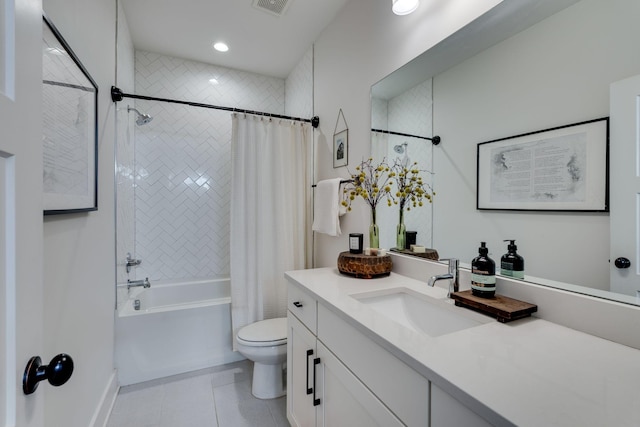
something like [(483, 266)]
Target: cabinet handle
[(297, 304), (316, 401), (309, 389)]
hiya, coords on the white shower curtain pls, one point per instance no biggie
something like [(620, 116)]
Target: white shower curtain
[(270, 213)]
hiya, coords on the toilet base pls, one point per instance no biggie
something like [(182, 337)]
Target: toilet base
[(268, 381)]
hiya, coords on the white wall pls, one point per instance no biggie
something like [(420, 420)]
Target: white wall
[(79, 273), (555, 73), (475, 102), (363, 44)]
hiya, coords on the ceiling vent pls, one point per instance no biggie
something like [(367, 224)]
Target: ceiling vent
[(274, 7)]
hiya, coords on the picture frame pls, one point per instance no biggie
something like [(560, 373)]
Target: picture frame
[(341, 148), (564, 168), (70, 128)]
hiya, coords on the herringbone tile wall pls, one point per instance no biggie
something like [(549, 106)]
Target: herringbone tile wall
[(299, 88), (182, 159)]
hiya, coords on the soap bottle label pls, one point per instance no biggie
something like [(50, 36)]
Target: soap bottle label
[(483, 281), (507, 269)]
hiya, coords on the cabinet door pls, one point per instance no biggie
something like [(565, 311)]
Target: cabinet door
[(447, 411), (301, 352), (344, 400)]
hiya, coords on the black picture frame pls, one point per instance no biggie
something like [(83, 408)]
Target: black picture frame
[(341, 149), (70, 128), (565, 169)]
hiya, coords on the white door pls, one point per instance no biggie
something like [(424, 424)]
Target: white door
[(625, 185), (21, 206)]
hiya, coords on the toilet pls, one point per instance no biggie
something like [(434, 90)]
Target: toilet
[(265, 343)]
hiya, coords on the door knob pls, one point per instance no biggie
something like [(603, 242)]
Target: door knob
[(622, 262), (57, 372)]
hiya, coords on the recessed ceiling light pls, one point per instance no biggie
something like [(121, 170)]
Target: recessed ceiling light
[(214, 81), (221, 47), (404, 7)]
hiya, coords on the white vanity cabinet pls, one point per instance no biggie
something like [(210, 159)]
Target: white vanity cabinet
[(322, 390)]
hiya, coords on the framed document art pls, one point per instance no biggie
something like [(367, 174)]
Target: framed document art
[(564, 168), (70, 128)]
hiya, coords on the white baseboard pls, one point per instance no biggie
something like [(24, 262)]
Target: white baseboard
[(101, 415)]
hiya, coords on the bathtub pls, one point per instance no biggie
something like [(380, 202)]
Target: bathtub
[(179, 327)]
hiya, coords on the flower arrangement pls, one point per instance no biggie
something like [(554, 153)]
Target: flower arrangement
[(374, 182), (410, 186), (371, 182), (411, 192)]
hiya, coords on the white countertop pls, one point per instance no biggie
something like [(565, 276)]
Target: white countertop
[(529, 372)]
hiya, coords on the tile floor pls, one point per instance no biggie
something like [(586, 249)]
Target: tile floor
[(215, 397)]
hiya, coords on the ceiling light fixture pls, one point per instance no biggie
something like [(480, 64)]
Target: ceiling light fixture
[(221, 47), (404, 7)]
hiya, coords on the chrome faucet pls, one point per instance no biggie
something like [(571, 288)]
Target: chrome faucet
[(133, 283), (132, 262), (452, 275)]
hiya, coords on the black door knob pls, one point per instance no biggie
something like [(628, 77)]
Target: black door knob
[(57, 372), (622, 262)]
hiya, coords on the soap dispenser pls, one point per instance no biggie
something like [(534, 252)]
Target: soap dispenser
[(483, 274), (512, 264)]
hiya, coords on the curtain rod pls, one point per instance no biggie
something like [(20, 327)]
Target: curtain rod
[(117, 95), (435, 140)]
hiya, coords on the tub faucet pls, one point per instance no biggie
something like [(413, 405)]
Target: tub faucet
[(452, 275), (132, 262), (133, 283)]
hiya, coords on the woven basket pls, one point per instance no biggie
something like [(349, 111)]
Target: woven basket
[(364, 266)]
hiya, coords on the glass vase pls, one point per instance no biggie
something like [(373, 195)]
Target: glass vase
[(401, 232), (374, 231)]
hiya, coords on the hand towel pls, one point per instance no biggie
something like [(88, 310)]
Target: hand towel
[(326, 208)]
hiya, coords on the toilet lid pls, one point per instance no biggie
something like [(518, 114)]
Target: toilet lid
[(269, 330)]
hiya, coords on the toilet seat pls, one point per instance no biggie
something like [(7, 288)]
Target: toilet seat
[(265, 333)]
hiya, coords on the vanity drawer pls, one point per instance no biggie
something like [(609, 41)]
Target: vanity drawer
[(302, 305)]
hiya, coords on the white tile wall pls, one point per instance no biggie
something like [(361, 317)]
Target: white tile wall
[(183, 163), (299, 88), (166, 77)]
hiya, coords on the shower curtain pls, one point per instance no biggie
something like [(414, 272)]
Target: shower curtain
[(270, 213)]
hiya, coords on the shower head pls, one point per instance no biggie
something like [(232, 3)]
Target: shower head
[(142, 119), (400, 148)]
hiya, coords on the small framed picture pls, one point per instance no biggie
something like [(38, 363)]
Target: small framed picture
[(341, 148)]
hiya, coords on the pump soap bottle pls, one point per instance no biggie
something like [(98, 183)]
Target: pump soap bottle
[(483, 274), (512, 264)]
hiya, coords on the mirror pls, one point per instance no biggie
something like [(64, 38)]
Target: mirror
[(70, 128), (400, 123), (509, 72)]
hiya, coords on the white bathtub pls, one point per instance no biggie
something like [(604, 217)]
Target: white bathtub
[(180, 327)]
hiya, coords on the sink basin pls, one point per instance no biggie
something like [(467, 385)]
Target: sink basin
[(419, 312)]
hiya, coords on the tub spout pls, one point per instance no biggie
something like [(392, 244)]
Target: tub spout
[(133, 283)]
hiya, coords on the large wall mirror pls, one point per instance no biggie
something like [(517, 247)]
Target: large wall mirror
[(522, 67)]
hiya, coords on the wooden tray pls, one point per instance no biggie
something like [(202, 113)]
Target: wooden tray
[(364, 266), (502, 308), (428, 254)]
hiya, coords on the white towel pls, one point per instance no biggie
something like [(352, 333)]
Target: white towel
[(327, 207)]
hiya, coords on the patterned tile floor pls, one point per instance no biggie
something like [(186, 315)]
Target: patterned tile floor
[(215, 397)]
